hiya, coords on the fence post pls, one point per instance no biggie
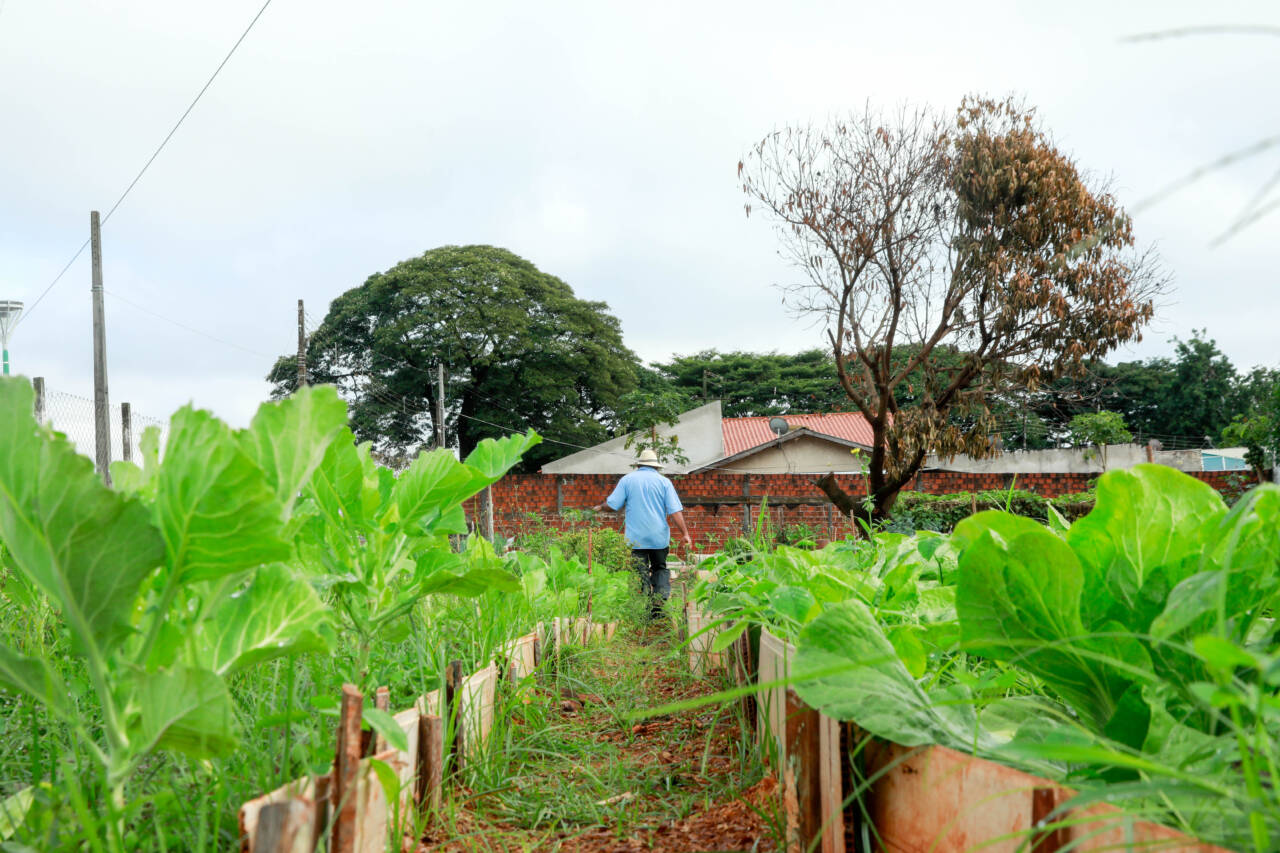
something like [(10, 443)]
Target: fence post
[(453, 707), (126, 430), (346, 771), (430, 762), (381, 701), (38, 384)]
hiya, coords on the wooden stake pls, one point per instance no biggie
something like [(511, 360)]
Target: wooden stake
[(453, 707), (38, 384), (381, 701), (430, 762), (346, 770), (126, 431), (1043, 802)]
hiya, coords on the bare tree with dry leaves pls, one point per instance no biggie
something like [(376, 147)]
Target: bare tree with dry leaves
[(974, 249)]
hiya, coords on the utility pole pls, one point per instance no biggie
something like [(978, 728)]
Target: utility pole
[(439, 405), (705, 373), (101, 405), (302, 346)]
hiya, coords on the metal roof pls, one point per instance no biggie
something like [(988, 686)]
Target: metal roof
[(742, 434)]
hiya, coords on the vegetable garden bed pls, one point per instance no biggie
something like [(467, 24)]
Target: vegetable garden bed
[(1108, 682)]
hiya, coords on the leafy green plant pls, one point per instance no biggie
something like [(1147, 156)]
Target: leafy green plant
[(1259, 434), (378, 543), (1095, 430), (167, 586), (643, 412)]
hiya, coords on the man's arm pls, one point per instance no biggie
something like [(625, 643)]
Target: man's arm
[(616, 500), (678, 516)]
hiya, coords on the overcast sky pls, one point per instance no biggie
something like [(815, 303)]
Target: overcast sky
[(599, 140)]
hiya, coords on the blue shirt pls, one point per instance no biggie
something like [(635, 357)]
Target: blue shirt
[(649, 498)]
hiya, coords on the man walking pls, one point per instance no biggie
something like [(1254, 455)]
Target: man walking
[(648, 498)]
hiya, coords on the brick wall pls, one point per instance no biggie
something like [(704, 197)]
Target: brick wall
[(720, 505)]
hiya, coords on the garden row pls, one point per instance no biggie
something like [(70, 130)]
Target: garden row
[(175, 645), (1112, 681), (384, 787)]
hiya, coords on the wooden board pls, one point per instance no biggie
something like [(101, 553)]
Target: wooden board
[(934, 798), (476, 710), (287, 827), (303, 789), (1114, 830), (407, 760), (701, 659), (774, 665), (373, 810), (812, 787), (430, 703)]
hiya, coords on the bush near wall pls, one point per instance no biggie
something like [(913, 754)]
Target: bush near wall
[(609, 548), (919, 511)]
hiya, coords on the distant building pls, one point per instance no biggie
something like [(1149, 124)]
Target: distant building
[(811, 444)]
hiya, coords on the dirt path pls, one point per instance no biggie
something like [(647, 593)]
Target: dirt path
[(576, 772)]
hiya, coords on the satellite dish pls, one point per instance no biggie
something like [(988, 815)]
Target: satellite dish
[(779, 425)]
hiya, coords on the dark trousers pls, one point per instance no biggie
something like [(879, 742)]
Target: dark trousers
[(655, 577)]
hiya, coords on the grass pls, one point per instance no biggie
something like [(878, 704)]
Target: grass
[(568, 769)]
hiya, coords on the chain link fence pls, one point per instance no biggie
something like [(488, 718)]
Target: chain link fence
[(72, 415)]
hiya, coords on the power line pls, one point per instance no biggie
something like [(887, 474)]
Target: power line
[(185, 327), (150, 160)]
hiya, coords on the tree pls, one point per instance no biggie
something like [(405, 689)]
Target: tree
[(1256, 433), (978, 236), (1257, 429), (518, 348), (1098, 429), (751, 384), (642, 412)]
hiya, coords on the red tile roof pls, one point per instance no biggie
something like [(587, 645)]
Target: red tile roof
[(742, 434)]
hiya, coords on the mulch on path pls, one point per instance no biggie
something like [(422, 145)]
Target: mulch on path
[(692, 752)]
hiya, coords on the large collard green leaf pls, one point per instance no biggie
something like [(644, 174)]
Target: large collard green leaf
[(1019, 601), (430, 493), (338, 483), (1148, 524), (862, 679), (492, 458), (215, 508), (135, 480), (87, 547), (1006, 526), (184, 709), (277, 614), (289, 438), (432, 485)]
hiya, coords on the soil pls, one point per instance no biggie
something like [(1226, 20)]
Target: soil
[(691, 753)]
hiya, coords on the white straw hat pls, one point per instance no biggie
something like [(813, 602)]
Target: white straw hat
[(648, 459)]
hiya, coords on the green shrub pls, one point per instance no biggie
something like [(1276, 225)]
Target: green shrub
[(609, 548), (919, 511)]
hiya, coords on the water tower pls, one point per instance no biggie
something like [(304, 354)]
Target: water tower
[(10, 311)]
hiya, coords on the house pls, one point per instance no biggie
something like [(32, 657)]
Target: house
[(788, 444)]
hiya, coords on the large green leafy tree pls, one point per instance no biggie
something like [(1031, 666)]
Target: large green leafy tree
[(519, 350), (1179, 400), (752, 383)]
